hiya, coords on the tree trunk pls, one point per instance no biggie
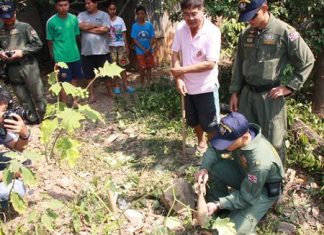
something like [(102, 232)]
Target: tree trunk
[(318, 97)]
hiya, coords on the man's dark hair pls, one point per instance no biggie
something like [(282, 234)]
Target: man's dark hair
[(140, 8), (185, 4), (93, 1), (57, 1)]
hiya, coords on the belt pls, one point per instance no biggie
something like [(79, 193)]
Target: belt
[(264, 88)]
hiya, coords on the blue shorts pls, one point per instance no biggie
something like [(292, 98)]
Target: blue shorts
[(202, 109), (74, 71)]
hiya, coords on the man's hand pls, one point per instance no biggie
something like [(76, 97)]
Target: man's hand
[(177, 71), (279, 91), (234, 102), (3, 56), (181, 87), (202, 176), (212, 207), (18, 54), (16, 125)]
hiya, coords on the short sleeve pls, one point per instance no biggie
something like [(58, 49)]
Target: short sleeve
[(49, 32), (124, 29), (133, 32), (213, 46), (80, 18), (106, 20), (76, 27), (176, 44)]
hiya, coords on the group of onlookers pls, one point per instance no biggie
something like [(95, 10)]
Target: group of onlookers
[(103, 38)]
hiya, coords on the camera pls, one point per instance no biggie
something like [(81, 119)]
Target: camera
[(9, 54), (24, 114)]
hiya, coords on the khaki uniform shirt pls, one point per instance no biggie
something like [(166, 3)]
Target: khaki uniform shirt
[(262, 56), (20, 37), (258, 162)]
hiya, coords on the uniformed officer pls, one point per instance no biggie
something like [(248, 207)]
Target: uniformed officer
[(18, 42), (254, 170), (264, 50)]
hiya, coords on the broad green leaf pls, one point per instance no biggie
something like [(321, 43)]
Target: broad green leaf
[(32, 155), (47, 128), (90, 113), (51, 214), (172, 223), (76, 222), (32, 216), (50, 110), (7, 176), (13, 155), (70, 89), (110, 70), (18, 203), (56, 88), (70, 119), (52, 78), (14, 165), (69, 150), (28, 176), (224, 226), (55, 204), (47, 222), (62, 65)]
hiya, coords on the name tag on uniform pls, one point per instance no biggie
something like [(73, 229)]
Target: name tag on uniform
[(14, 31), (270, 39)]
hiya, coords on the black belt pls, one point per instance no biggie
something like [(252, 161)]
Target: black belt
[(264, 88)]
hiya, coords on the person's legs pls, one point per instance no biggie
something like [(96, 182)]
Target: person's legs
[(64, 75), (245, 220), (202, 140), (226, 172), (18, 187), (88, 65), (142, 68), (149, 59)]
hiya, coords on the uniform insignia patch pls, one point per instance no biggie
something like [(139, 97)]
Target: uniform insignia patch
[(269, 39), (252, 178), (244, 161), (248, 45), (294, 36), (33, 32), (224, 128), (14, 31), (249, 40), (242, 5)]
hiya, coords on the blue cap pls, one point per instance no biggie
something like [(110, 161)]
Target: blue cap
[(230, 128), (7, 10), (248, 9)]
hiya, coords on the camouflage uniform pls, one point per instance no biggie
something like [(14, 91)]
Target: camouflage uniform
[(24, 74), (261, 59), (253, 170)]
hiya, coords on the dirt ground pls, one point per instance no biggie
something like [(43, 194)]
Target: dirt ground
[(141, 163)]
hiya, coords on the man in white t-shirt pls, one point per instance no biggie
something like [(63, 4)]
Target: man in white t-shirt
[(94, 25), (197, 42)]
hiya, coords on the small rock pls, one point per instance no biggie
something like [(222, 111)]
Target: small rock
[(122, 204), (183, 192), (134, 217), (286, 228), (315, 212)]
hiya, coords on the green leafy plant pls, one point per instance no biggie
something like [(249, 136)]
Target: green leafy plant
[(61, 122)]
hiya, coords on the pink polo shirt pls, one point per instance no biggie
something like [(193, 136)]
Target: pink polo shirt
[(205, 46)]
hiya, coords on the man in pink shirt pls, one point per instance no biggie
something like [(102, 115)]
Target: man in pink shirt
[(197, 42)]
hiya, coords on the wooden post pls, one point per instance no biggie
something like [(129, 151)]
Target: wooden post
[(183, 116)]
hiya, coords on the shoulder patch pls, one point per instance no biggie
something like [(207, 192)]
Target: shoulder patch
[(293, 36), (33, 32), (252, 178)]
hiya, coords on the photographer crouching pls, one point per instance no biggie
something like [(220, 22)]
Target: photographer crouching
[(14, 134)]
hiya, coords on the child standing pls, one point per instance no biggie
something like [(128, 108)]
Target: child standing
[(118, 46), (143, 36)]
